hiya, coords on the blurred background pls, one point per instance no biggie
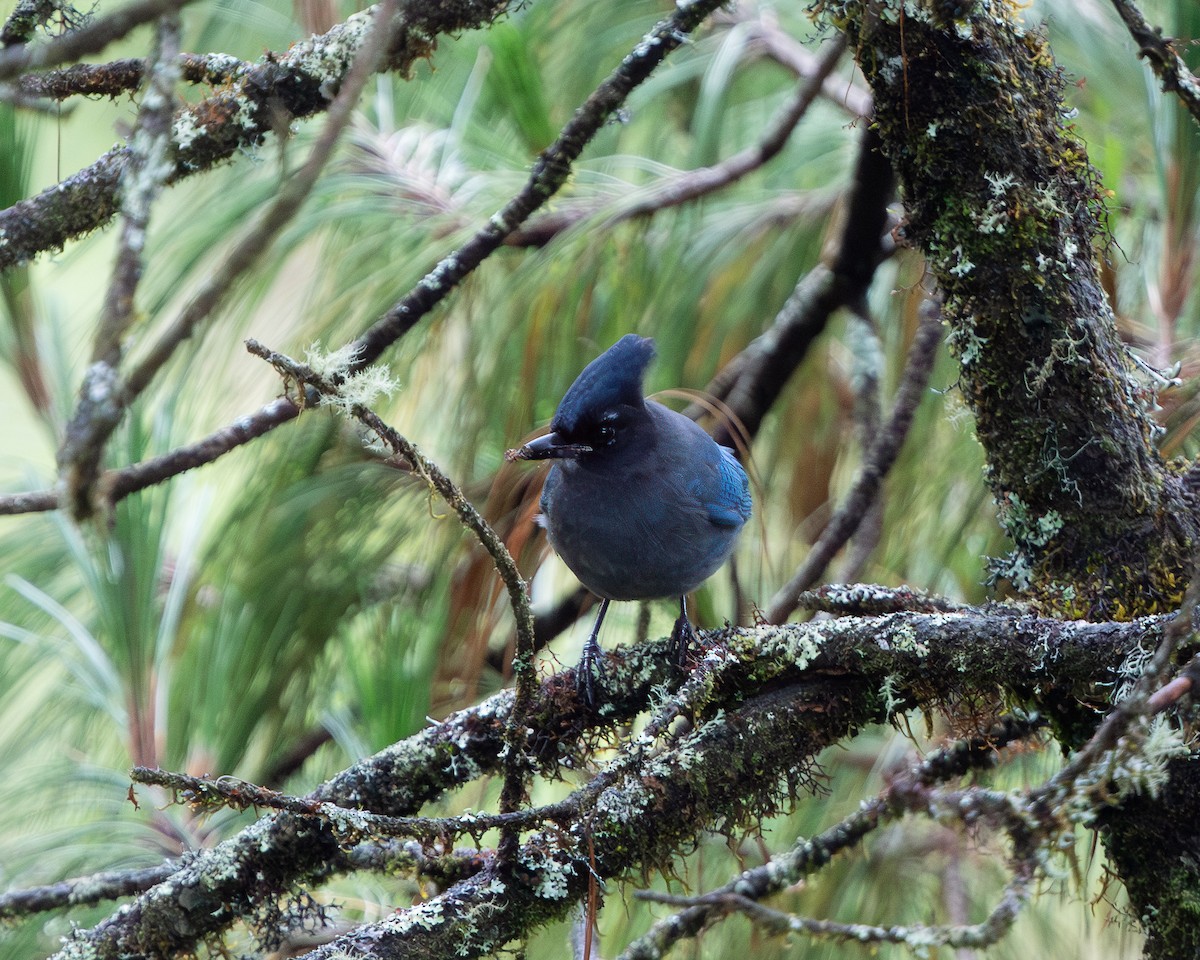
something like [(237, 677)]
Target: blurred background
[(300, 604)]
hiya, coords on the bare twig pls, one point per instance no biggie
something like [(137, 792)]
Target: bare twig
[(693, 184), (752, 381), (1159, 52), (549, 174), (80, 891), (877, 462), (763, 32)]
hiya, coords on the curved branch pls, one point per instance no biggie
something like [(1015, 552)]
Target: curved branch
[(750, 384)]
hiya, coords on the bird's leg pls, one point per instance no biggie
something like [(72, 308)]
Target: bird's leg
[(589, 662), (683, 636)]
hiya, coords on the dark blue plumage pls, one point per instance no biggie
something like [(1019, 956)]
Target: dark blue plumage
[(640, 503)]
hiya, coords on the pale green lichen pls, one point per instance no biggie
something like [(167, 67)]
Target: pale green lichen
[(553, 878)]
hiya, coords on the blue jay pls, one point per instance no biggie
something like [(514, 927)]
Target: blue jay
[(640, 503)]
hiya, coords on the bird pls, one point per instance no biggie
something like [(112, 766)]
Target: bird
[(640, 503)]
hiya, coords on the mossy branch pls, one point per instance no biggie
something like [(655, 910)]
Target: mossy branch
[(828, 678)]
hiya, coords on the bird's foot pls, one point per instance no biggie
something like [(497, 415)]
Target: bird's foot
[(589, 670), (682, 637)]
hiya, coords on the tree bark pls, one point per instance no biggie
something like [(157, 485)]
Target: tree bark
[(1001, 197)]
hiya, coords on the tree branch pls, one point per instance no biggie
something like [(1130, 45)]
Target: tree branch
[(98, 409), (1158, 51), (811, 854), (548, 175), (297, 83), (750, 384), (828, 677), (692, 184)]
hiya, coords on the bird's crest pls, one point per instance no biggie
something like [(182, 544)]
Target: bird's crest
[(612, 380)]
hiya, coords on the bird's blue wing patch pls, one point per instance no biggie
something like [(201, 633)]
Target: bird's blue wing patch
[(732, 505)]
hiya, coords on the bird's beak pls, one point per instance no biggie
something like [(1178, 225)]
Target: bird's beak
[(548, 447)]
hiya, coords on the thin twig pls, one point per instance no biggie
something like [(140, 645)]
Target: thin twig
[(763, 32), (119, 77), (81, 891), (811, 854), (349, 824), (865, 380), (550, 172), (693, 184), (752, 381), (516, 763), (880, 456), (1168, 65)]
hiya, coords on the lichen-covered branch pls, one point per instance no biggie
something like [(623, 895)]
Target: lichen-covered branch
[(82, 891), (297, 83), (1001, 197), (999, 193), (811, 854), (827, 678), (516, 766), (92, 37), (27, 16), (99, 409)]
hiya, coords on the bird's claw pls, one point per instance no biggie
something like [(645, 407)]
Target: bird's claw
[(682, 637), (590, 669)]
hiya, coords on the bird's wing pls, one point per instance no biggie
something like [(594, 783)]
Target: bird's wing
[(732, 504)]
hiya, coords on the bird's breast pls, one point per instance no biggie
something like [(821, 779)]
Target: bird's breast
[(637, 530)]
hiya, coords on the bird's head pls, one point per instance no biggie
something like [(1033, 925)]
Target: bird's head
[(603, 402)]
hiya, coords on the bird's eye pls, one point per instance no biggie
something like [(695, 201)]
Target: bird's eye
[(608, 428)]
